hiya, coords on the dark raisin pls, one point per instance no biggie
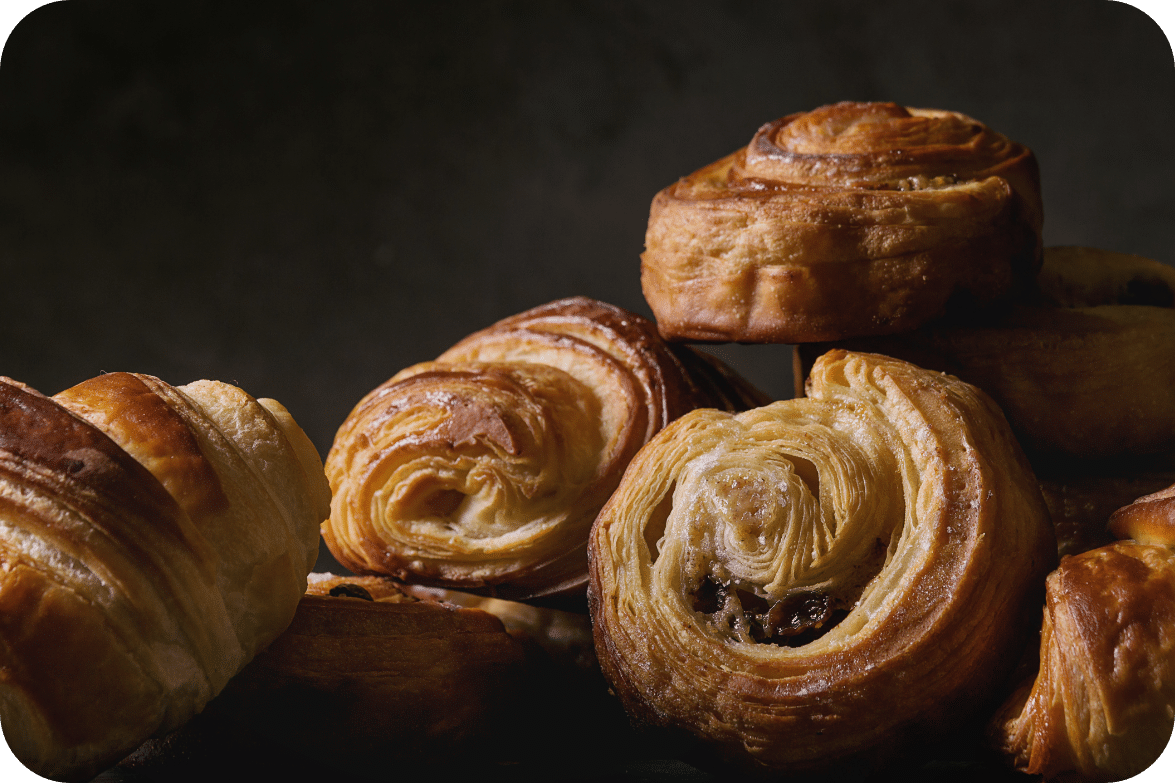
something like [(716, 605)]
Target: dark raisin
[(349, 590)]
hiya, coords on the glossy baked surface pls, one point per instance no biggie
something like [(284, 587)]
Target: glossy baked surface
[(152, 539), (1101, 703), (851, 219)]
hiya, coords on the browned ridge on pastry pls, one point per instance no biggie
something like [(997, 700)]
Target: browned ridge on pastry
[(852, 219), (1101, 705), (484, 469), (152, 540), (805, 585)]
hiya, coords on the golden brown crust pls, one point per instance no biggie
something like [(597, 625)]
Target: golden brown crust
[(139, 570), (484, 469), (1148, 520), (1101, 705), (1082, 498), (852, 219), (803, 584), (1087, 370)]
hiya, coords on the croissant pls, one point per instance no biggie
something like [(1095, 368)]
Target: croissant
[(152, 540), (1101, 705), (851, 219), (804, 586), (484, 469)]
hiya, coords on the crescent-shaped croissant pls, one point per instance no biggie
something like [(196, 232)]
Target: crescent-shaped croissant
[(1101, 705), (152, 540), (484, 469), (807, 584), (851, 219)]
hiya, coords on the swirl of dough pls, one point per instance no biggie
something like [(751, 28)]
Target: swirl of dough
[(852, 219), (484, 469), (802, 584)]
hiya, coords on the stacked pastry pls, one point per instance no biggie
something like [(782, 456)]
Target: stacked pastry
[(768, 582), (152, 540), (462, 487)]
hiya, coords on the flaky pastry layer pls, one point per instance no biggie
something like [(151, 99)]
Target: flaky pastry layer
[(852, 219), (152, 540), (484, 469), (803, 585), (1101, 705)]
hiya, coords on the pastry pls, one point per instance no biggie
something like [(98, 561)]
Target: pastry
[(1082, 494), (373, 674), (851, 219), (483, 470), (369, 676), (1101, 704), (152, 540), (804, 586), (1086, 368)]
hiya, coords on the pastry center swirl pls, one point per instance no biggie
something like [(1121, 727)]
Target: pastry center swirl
[(771, 542), (881, 126)]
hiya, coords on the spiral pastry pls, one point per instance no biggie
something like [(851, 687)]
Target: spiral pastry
[(152, 539), (484, 469), (805, 584), (852, 219), (1101, 705)]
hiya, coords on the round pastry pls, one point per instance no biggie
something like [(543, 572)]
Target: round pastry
[(152, 540), (1086, 369), (851, 219), (368, 676), (375, 675), (808, 584), (1101, 705), (484, 469)]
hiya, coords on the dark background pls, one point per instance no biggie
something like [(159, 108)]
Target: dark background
[(304, 197)]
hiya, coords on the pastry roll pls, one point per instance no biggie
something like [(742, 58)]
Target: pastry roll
[(484, 469), (368, 676), (1101, 706), (852, 219), (375, 675), (152, 540), (1085, 369), (805, 585)]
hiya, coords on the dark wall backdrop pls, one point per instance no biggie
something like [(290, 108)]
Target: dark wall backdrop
[(304, 197)]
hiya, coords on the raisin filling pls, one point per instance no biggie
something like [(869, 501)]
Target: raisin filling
[(791, 622)]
